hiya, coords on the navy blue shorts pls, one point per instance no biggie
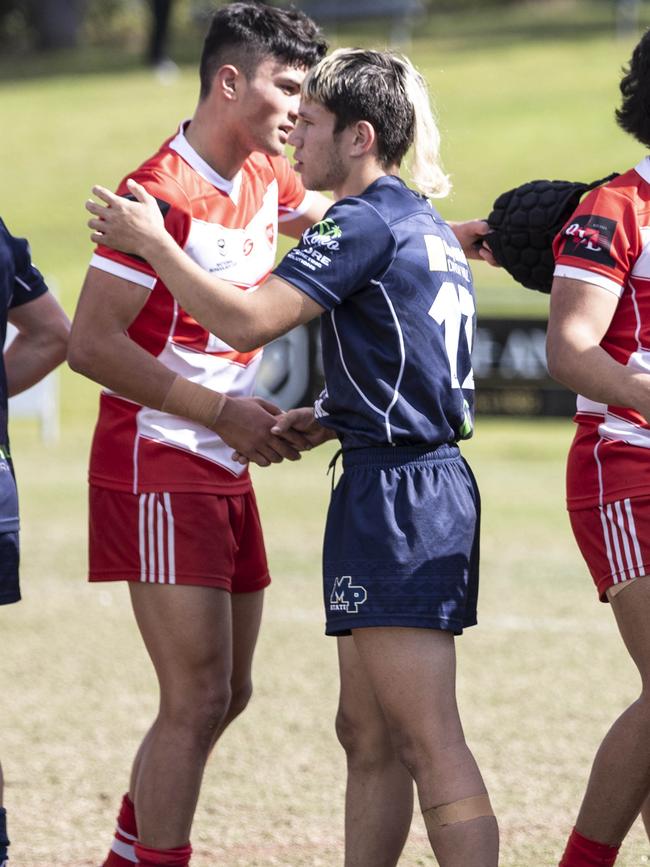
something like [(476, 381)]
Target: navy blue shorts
[(9, 561), (402, 541), (9, 524)]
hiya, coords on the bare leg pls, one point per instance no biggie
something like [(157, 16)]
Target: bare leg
[(645, 815), (246, 618), (246, 615), (620, 777), (379, 794), (412, 672), (187, 632)]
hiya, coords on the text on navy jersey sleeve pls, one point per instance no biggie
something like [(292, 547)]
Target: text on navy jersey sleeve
[(338, 256)]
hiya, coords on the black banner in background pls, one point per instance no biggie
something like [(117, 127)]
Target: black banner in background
[(509, 361)]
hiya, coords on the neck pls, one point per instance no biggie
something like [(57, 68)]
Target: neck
[(361, 177), (214, 143)]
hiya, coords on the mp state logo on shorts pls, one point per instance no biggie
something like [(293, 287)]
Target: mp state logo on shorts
[(346, 596)]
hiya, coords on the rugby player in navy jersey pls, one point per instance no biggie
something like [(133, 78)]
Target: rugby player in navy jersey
[(38, 347), (394, 292)]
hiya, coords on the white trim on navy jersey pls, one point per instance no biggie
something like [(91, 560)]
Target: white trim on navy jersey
[(22, 283), (400, 337)]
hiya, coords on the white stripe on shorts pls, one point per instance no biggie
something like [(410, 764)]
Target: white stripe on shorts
[(171, 553), (624, 551), (156, 539)]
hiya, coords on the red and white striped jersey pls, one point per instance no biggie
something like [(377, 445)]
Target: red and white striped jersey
[(607, 243), (230, 228)]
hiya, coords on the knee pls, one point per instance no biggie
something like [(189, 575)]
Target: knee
[(213, 708), (423, 753), (366, 743), (240, 697), (200, 711)]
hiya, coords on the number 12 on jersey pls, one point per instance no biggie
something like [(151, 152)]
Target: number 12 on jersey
[(452, 303)]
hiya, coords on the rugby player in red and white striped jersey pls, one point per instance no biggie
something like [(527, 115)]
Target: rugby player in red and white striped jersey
[(170, 511), (599, 345)]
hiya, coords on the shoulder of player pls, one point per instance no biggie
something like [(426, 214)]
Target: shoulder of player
[(627, 193), (166, 176), (396, 203), (163, 185)]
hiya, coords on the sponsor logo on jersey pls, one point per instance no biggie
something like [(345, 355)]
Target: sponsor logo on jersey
[(221, 244), (446, 257), (270, 233), (346, 596), (324, 234), (590, 236), (248, 246)]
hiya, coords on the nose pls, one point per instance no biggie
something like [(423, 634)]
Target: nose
[(294, 138), (293, 108)]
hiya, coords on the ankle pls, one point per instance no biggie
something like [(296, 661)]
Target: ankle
[(582, 852), (148, 857)]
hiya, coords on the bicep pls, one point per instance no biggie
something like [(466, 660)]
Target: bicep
[(580, 313), (43, 314), (107, 304)]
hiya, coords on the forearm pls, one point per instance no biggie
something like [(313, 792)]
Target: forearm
[(590, 371), (30, 357), (119, 364), (245, 320), (220, 307)]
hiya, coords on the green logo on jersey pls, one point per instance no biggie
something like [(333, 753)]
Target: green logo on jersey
[(324, 234), (327, 229)]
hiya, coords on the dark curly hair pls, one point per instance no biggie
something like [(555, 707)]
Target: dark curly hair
[(247, 33), (634, 114)]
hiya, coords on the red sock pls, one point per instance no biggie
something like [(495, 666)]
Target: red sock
[(122, 853), (582, 852), (179, 857)]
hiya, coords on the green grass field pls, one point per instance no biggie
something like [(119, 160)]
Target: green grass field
[(520, 95), (78, 692)]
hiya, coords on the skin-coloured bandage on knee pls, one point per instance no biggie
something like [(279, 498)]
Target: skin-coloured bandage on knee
[(458, 811), (190, 400)]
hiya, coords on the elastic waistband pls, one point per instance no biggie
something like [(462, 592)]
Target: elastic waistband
[(395, 456)]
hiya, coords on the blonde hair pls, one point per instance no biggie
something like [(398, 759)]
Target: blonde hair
[(386, 90)]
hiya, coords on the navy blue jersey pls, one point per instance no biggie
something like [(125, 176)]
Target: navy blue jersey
[(20, 282), (398, 333)]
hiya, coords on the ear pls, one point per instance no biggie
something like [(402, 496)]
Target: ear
[(364, 138), (227, 82)]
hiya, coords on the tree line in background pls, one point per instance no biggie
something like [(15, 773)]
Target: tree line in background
[(46, 25)]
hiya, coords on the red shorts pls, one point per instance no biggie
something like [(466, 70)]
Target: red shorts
[(614, 539), (213, 540)]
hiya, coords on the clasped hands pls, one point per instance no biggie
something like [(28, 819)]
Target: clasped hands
[(260, 432)]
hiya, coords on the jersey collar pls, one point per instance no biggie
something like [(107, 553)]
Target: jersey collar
[(181, 145), (643, 169)]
